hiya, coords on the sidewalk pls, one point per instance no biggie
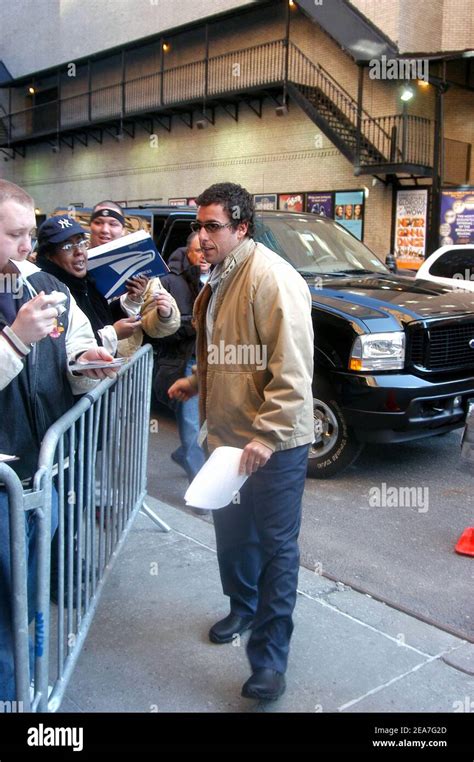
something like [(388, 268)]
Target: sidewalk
[(148, 648)]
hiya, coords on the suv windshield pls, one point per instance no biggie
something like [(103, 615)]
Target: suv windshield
[(315, 246)]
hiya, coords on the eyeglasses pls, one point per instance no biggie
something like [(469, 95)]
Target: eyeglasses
[(210, 227), (68, 247)]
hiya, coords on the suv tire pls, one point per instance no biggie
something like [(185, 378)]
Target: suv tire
[(335, 446)]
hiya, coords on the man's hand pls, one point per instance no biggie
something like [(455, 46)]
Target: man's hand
[(126, 327), (136, 287), (37, 318), (99, 353), (163, 303), (182, 390), (254, 456)]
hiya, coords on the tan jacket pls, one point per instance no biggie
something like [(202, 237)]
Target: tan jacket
[(255, 377), (152, 323)]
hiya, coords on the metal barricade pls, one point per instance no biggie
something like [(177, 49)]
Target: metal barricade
[(93, 463)]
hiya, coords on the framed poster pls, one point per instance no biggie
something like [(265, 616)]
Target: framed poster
[(264, 201), (291, 202), (177, 202), (192, 201), (457, 217), (410, 227), (349, 211), (320, 203)]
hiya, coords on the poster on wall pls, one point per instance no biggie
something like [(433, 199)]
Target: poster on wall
[(263, 201), (176, 202), (192, 201), (457, 217), (349, 211), (320, 203), (410, 227), (291, 202)]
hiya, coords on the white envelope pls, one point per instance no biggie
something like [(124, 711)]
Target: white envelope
[(218, 481)]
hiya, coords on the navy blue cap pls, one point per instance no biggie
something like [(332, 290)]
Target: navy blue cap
[(59, 229)]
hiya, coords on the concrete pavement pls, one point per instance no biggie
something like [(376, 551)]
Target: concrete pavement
[(148, 651)]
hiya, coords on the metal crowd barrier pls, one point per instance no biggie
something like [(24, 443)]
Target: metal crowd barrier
[(95, 458)]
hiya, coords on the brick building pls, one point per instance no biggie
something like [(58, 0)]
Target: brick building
[(148, 100)]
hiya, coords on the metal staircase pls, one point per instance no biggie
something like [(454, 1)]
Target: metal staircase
[(371, 144)]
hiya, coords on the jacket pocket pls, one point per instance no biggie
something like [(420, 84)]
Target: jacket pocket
[(232, 404)]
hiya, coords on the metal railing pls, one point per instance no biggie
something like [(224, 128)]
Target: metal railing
[(271, 63), (407, 139), (92, 464)]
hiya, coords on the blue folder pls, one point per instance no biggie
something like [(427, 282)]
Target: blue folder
[(113, 263)]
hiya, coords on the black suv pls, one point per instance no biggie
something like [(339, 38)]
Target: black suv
[(394, 357)]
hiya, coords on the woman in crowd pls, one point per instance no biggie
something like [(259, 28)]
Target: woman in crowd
[(62, 252)]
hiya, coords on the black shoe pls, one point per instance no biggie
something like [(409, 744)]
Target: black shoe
[(265, 685), (225, 630)]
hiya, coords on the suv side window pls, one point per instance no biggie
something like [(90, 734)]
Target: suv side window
[(176, 236), (454, 262)]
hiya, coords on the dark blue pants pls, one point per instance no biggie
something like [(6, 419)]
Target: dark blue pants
[(257, 549)]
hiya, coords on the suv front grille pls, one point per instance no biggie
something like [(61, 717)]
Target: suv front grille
[(442, 347)]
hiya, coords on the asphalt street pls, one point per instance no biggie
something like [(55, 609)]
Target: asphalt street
[(396, 545)]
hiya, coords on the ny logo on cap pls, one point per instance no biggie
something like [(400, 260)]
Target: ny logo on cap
[(104, 212), (65, 223)]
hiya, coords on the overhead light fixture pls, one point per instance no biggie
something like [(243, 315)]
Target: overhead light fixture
[(281, 110), (292, 3), (31, 90), (406, 93), (422, 83), (166, 46)]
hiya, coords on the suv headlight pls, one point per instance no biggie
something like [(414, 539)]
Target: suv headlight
[(378, 351)]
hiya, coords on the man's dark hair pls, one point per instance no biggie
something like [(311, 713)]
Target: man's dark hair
[(235, 200)]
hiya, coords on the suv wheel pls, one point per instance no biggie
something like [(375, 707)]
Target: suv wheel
[(334, 446)]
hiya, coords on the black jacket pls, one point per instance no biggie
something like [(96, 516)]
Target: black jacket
[(173, 352), (39, 395), (88, 298)]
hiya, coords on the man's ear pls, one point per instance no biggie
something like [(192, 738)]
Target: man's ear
[(244, 227)]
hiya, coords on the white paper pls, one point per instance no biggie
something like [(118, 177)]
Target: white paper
[(6, 458), (95, 364), (218, 481)]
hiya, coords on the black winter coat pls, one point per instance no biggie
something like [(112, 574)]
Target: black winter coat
[(88, 298), (173, 352), (39, 395)]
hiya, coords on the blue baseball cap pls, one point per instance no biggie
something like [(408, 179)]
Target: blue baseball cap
[(58, 229)]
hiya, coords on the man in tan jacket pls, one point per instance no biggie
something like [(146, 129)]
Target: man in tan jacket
[(254, 374)]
